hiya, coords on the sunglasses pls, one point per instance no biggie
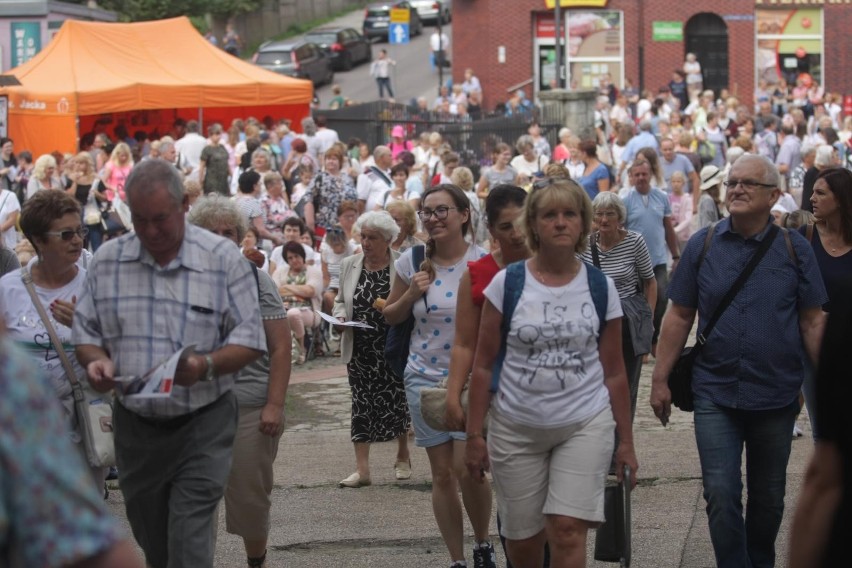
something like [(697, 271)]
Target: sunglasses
[(69, 234)]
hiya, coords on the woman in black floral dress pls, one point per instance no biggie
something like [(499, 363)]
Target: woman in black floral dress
[(379, 408)]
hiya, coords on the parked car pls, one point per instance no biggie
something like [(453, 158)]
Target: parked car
[(300, 59), (345, 46), (377, 19), (429, 10)]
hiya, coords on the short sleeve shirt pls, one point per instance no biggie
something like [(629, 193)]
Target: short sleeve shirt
[(332, 191), (215, 159), (253, 379), (435, 315), (681, 164), (552, 375), (626, 263), (9, 204), (753, 359), (645, 214), (141, 313)]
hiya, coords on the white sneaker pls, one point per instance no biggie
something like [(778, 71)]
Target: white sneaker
[(797, 432)]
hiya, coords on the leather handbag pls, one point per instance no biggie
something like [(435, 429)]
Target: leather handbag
[(680, 377), (94, 414), (613, 542)]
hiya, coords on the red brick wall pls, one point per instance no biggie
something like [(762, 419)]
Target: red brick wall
[(481, 26)]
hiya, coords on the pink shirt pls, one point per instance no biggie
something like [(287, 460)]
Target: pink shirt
[(116, 180)]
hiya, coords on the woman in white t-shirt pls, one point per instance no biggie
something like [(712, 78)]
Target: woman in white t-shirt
[(562, 387), (334, 249), (51, 221), (527, 163), (429, 293)]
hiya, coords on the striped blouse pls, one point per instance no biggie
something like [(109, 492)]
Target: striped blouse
[(626, 263)]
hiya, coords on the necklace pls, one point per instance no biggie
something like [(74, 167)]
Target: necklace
[(549, 287)]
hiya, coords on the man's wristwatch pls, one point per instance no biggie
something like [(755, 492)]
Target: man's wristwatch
[(211, 372)]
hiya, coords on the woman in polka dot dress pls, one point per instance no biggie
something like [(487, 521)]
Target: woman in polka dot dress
[(429, 292)]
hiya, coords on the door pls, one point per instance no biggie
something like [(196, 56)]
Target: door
[(707, 38)]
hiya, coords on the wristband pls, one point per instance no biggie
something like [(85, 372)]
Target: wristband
[(675, 258)]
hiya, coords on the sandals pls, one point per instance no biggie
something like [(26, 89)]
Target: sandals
[(256, 562)]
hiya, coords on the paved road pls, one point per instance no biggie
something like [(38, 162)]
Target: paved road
[(412, 76), (317, 525)]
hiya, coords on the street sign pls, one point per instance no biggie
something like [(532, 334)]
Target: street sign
[(400, 15), (398, 33)]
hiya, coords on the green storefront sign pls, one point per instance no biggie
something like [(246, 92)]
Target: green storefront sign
[(667, 31), (26, 41)]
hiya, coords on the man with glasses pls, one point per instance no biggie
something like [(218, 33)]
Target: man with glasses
[(747, 379), (167, 286)]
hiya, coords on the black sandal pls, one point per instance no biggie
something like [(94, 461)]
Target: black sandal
[(256, 562)]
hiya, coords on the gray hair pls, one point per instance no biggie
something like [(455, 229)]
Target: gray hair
[(610, 200), (824, 155), (309, 127), (523, 141), (150, 175), (645, 125), (264, 152), (380, 221), (380, 151), (733, 154), (808, 148), (770, 170), (165, 145), (564, 131), (214, 210)]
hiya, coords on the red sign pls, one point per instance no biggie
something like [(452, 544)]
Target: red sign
[(545, 26)]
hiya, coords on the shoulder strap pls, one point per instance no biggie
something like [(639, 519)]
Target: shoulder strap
[(809, 232), (418, 254), (513, 287), (793, 256), (600, 294), (254, 271), (711, 230), (596, 259), (51, 332), (767, 241)]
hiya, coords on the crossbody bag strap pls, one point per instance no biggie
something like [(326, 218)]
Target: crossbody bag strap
[(767, 241), (54, 338), (596, 259)]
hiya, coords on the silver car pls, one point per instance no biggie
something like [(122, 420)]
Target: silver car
[(428, 10)]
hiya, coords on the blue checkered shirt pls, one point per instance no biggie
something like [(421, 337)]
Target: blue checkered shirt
[(141, 313)]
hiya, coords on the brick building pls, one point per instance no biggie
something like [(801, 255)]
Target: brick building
[(511, 43)]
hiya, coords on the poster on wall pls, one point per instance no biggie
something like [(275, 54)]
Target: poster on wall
[(595, 47), (789, 46), (26, 41)]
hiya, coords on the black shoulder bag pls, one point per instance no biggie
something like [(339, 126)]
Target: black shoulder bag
[(680, 377), (398, 337)]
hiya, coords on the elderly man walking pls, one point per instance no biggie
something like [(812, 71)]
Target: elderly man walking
[(148, 294), (747, 379)]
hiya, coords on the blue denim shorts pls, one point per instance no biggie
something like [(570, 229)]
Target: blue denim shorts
[(424, 436)]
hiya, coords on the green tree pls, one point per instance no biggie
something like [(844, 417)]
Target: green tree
[(141, 10)]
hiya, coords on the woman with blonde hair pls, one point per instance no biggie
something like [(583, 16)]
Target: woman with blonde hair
[(116, 171), (43, 176), (463, 178), (406, 219), (561, 389), (84, 185)]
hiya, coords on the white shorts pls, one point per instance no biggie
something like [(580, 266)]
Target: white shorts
[(549, 471)]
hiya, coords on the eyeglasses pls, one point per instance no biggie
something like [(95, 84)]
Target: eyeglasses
[(607, 214), (440, 213), (748, 184), (69, 234)]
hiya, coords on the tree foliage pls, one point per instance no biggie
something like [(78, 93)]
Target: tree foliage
[(142, 10)]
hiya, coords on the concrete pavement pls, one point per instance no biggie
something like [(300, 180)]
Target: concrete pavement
[(317, 524)]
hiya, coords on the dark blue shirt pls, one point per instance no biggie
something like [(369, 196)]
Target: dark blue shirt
[(836, 271), (754, 358)]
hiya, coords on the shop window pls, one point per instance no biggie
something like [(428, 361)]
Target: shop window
[(789, 46)]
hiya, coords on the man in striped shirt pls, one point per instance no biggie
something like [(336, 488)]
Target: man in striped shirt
[(147, 295)]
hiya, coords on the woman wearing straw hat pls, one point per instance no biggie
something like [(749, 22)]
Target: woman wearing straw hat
[(708, 205)]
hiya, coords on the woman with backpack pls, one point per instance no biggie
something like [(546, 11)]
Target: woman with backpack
[(561, 383)]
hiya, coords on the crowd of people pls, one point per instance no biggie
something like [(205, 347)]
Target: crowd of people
[(590, 257)]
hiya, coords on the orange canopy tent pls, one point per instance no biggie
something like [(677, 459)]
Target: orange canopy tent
[(143, 75)]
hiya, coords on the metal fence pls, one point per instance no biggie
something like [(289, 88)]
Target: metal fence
[(473, 140)]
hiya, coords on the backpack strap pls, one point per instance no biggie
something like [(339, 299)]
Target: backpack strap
[(809, 232), (513, 287), (711, 230), (600, 294), (793, 256)]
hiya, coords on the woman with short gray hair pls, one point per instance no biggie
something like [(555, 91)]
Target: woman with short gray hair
[(623, 256), (379, 407), (527, 164)]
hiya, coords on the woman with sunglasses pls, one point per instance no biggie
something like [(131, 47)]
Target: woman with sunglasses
[(429, 292), (51, 221)]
